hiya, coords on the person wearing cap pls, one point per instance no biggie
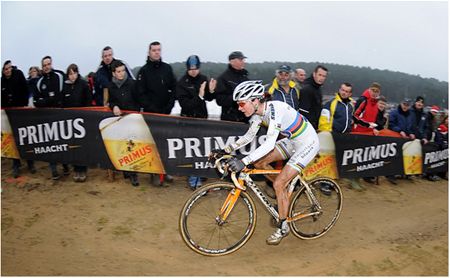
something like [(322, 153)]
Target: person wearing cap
[(226, 82), (310, 101), (366, 109), (420, 123), (401, 120), (283, 88), (192, 91)]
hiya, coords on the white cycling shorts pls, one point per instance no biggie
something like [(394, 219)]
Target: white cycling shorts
[(300, 150)]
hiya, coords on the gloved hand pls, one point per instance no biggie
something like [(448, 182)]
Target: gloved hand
[(235, 165), (215, 152)]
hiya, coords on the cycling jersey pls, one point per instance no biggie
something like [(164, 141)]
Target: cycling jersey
[(301, 142)]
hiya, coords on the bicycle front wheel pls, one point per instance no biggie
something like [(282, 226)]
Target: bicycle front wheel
[(200, 225), (318, 213)]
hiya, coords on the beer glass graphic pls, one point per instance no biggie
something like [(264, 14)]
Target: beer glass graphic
[(325, 164), (9, 148), (412, 157), (130, 144)]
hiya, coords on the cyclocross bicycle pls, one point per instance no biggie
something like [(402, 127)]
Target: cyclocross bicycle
[(219, 218)]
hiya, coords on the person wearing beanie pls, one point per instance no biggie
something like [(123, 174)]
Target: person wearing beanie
[(420, 123), (192, 91)]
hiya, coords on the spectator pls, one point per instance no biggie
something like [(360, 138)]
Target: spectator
[(431, 121), (441, 140), (104, 77), (192, 90), (91, 84), (366, 109), (336, 116), (123, 96), (226, 82), (156, 83), (156, 88), (76, 93), (337, 113), (401, 120), (283, 88), (419, 119), (381, 118), (15, 94), (49, 94), (34, 73), (310, 102), (300, 76)]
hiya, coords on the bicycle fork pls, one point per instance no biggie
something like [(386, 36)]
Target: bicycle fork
[(228, 206)]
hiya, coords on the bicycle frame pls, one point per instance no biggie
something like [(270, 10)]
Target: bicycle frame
[(244, 180)]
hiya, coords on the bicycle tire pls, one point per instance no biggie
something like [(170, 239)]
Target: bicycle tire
[(199, 228), (313, 227)]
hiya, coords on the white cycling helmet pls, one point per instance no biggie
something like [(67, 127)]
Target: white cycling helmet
[(248, 90)]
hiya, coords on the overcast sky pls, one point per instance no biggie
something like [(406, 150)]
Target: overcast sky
[(410, 37)]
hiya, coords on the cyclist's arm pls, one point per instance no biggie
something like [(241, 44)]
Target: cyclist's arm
[(267, 146), (255, 124)]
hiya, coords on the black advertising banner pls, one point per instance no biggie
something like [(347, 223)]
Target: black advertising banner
[(140, 142), (435, 159), (153, 143), (366, 156), (59, 135)]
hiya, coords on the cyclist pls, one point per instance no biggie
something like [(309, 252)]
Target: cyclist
[(300, 143)]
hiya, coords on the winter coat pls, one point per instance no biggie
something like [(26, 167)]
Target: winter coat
[(336, 115), (401, 121), (226, 83), (76, 94), (14, 90), (366, 111), (187, 91), (125, 97), (310, 102), (277, 93), (103, 77), (156, 87), (420, 123), (49, 89)]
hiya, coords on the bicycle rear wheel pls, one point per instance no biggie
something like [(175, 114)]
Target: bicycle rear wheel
[(324, 217), (199, 222)]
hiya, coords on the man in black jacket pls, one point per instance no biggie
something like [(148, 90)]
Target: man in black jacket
[(49, 86), (310, 102), (156, 83), (226, 82), (15, 94), (49, 94)]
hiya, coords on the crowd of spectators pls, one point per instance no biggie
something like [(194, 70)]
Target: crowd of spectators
[(156, 88)]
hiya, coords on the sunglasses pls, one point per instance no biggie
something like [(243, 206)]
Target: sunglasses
[(242, 103)]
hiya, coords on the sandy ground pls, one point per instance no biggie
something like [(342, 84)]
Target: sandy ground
[(111, 228)]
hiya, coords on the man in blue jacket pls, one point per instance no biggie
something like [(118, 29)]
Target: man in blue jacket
[(401, 120)]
